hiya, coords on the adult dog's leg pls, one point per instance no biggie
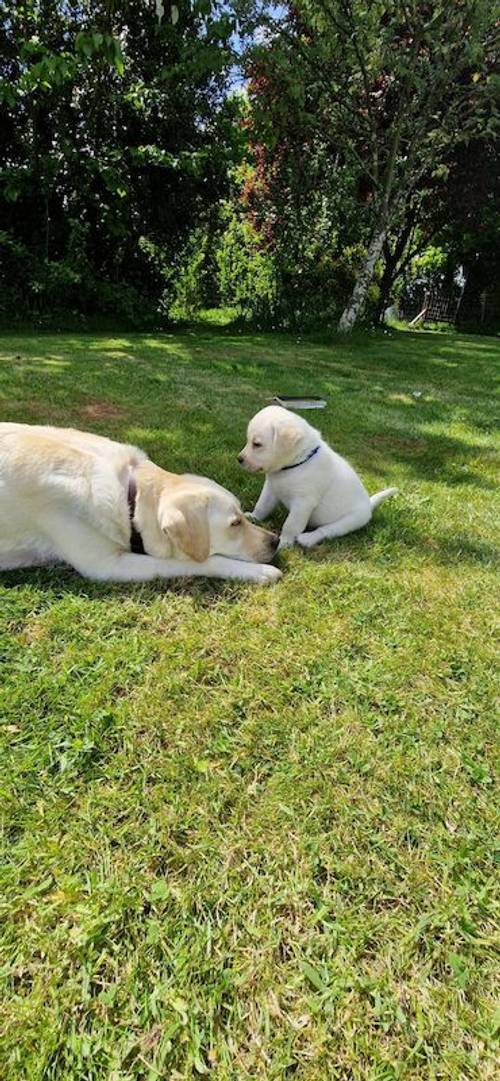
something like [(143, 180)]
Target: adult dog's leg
[(348, 524), (129, 567), (95, 556)]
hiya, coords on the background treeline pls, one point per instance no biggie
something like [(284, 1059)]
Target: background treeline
[(310, 162)]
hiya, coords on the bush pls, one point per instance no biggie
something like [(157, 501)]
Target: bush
[(430, 268), (246, 273), (15, 262), (312, 286), (42, 289), (187, 279)]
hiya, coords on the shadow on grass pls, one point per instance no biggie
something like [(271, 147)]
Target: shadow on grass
[(400, 536), (427, 455), (206, 593)]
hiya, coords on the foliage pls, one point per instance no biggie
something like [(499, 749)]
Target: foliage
[(224, 262), (187, 291), (253, 832), (455, 209), (431, 265), (369, 129), (383, 93), (246, 272), (470, 225), (118, 122)]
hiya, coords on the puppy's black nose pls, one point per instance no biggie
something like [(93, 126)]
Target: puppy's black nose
[(241, 459), (275, 539)]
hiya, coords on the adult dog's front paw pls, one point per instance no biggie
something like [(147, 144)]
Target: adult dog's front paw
[(306, 540), (268, 574)]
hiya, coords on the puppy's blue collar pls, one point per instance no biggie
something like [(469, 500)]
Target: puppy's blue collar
[(303, 462)]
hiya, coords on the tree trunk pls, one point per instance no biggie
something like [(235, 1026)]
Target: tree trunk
[(386, 283), (395, 261), (357, 301)]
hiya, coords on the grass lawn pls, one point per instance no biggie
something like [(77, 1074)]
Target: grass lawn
[(250, 833)]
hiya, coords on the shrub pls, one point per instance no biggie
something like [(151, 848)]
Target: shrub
[(246, 273), (186, 290)]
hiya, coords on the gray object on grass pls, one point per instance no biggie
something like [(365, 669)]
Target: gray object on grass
[(298, 403)]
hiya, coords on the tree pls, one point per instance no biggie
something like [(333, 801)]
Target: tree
[(471, 228), (456, 209), (391, 87), (116, 138)]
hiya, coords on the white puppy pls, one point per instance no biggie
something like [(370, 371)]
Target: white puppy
[(319, 488), (107, 510)]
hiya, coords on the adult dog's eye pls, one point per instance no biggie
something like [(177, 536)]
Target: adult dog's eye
[(235, 522), (255, 443)]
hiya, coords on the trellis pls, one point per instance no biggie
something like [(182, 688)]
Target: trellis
[(437, 308)]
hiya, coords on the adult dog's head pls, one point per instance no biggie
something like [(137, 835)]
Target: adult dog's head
[(195, 517), (276, 438)]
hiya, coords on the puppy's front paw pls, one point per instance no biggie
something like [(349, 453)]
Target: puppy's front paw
[(268, 574), (306, 540), (285, 542), (251, 516)]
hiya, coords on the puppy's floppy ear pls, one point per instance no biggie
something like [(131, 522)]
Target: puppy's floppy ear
[(185, 520), (289, 436)]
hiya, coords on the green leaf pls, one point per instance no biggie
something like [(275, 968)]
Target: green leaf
[(153, 935), (83, 44), (459, 968), (174, 14), (313, 976), (7, 94), (117, 57), (495, 1022), (202, 765), (159, 890)]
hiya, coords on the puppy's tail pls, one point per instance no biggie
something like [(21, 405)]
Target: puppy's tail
[(380, 497)]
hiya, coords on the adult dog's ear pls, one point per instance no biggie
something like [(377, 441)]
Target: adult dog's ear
[(185, 520)]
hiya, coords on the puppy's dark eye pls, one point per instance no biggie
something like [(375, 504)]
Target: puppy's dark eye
[(255, 443)]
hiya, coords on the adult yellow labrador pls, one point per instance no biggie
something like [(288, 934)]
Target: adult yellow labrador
[(110, 513)]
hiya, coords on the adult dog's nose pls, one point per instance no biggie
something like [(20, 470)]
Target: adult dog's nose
[(241, 458)]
